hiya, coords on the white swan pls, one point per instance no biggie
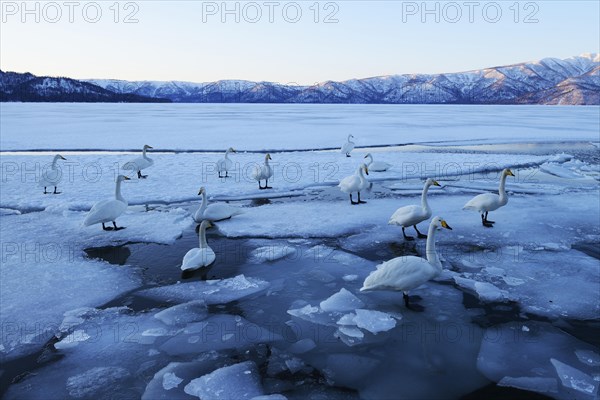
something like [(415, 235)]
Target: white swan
[(486, 202), (263, 172), (108, 210), (215, 211), (53, 176), (140, 163), (412, 215), (225, 164), (348, 146), (377, 166), (200, 256), (355, 183), (408, 272)]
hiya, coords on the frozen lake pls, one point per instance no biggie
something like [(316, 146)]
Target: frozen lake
[(282, 127), (93, 314)]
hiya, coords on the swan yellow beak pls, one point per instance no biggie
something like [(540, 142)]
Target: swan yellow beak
[(269, 157), (445, 224), (509, 173), (209, 225), (126, 178), (435, 183), (62, 158)]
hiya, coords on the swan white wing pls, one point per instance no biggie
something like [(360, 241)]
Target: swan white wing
[(218, 212), (197, 258), (105, 211), (50, 178), (350, 184), (224, 165), (408, 216), (400, 273), (483, 202), (257, 173), (379, 166), (138, 164), (347, 147)]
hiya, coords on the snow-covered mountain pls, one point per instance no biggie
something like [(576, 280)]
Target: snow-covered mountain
[(27, 87), (573, 80)]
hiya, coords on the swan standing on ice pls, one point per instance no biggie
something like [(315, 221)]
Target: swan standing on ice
[(412, 215), (225, 164), (263, 172), (108, 210), (215, 211), (348, 146), (52, 177), (200, 256), (140, 163), (408, 272), (377, 166), (355, 183), (486, 202)]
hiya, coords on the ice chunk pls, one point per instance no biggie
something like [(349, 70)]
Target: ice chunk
[(270, 253), (95, 381), (212, 292), (238, 381), (351, 331), (347, 319), (182, 314), (302, 346), (171, 381), (72, 340), (533, 384), (588, 357), (374, 321), (218, 332), (350, 278), (485, 291), (342, 301), (575, 379)]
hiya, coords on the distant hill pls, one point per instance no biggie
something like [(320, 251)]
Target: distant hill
[(30, 88), (572, 81)]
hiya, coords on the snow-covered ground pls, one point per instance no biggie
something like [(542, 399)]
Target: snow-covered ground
[(280, 312)]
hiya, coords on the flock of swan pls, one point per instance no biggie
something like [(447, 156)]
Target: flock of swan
[(398, 274)]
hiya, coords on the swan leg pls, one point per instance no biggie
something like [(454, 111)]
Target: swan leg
[(267, 184), (359, 200), (352, 201), (347, 155), (116, 227), (260, 187), (406, 299), (420, 235), (55, 192), (45, 190), (140, 176), (487, 220), (226, 174), (106, 228), (408, 238)]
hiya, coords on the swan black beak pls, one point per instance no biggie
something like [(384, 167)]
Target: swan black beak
[(445, 225), (435, 183), (126, 178), (509, 173)]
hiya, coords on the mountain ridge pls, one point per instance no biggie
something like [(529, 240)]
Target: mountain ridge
[(573, 80)]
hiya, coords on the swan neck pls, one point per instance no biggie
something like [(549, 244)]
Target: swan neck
[(370, 157), (54, 162), (203, 206), (432, 256), (118, 195), (267, 161), (203, 244), (501, 189), (144, 152), (424, 202)]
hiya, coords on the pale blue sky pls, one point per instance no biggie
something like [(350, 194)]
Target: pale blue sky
[(170, 41)]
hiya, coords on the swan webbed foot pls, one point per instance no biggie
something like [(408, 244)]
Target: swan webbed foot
[(347, 155), (360, 201), (268, 187), (45, 190), (488, 224), (106, 228), (406, 237), (419, 234), (491, 222), (352, 201), (55, 192), (117, 228)]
